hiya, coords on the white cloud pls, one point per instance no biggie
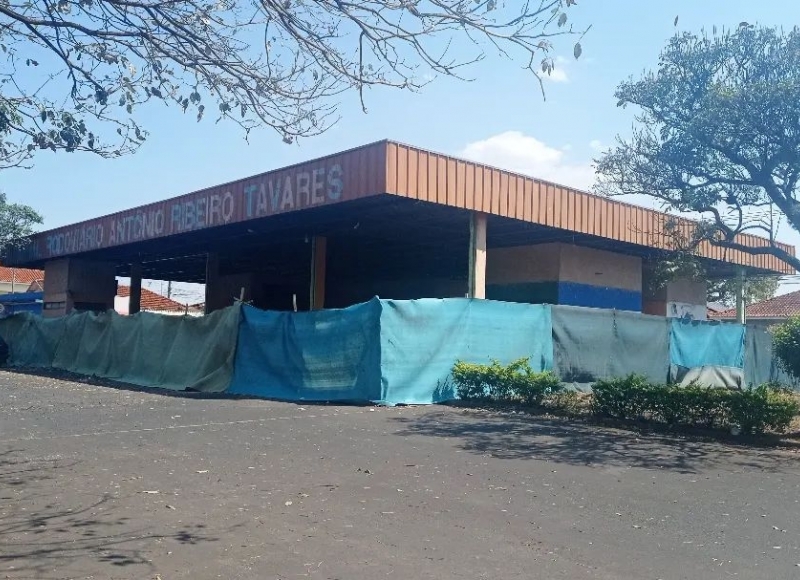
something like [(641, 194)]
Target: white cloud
[(557, 75), (596, 145), (515, 151)]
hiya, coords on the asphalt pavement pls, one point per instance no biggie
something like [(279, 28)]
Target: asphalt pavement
[(110, 483)]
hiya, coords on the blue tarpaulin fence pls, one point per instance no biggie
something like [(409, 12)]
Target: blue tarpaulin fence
[(386, 351), (696, 344), (421, 339), (330, 355)]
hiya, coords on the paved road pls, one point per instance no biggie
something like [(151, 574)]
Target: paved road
[(106, 483)]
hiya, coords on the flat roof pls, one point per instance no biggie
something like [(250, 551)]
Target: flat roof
[(381, 169)]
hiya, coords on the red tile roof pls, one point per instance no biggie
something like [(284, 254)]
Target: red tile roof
[(152, 301), (777, 307), (20, 275)]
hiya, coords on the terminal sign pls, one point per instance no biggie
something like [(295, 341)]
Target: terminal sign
[(298, 191), (254, 198)]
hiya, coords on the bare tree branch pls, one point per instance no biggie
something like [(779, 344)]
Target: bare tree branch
[(280, 64)]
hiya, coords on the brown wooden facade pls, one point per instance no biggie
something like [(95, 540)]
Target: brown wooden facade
[(376, 170), (432, 177)]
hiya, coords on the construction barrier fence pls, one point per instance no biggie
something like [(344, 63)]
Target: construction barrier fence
[(385, 351)]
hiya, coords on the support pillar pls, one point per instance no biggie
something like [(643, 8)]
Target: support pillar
[(741, 305), (319, 255), (477, 255), (212, 278), (135, 298), (74, 284)]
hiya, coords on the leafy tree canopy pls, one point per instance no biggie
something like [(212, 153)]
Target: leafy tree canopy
[(717, 133), (755, 290), (684, 262), (16, 223)]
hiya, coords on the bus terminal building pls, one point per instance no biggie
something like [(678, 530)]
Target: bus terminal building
[(386, 220)]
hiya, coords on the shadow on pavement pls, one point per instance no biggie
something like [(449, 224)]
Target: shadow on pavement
[(43, 538), (95, 381), (517, 436)]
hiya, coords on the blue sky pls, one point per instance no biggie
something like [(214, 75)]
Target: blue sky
[(498, 118)]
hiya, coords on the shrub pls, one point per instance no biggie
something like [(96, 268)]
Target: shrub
[(693, 404), (754, 410), (768, 406), (470, 381), (535, 387), (497, 382), (786, 345), (621, 398)]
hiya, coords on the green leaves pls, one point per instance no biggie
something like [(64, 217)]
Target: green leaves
[(17, 222), (786, 346), (516, 381), (716, 132), (754, 410)]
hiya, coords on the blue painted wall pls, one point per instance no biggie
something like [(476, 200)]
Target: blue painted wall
[(574, 294), (566, 293)]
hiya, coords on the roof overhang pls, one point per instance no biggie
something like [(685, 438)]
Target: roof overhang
[(376, 186)]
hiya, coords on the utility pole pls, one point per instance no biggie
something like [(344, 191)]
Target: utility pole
[(741, 305)]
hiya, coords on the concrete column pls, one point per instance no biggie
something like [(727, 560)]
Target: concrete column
[(477, 255), (741, 305), (135, 299), (74, 284), (319, 254), (212, 278)]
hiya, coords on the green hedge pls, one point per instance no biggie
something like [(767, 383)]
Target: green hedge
[(755, 410), (504, 383)]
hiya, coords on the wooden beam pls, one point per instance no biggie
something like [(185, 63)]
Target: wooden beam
[(477, 255), (319, 252)]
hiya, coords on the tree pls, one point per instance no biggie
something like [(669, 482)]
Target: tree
[(718, 133), (786, 346), (16, 223), (76, 72), (684, 262), (755, 290)]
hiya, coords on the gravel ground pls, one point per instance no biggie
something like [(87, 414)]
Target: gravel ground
[(99, 482)]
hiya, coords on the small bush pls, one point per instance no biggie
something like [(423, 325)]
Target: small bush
[(786, 345), (765, 407), (535, 387), (754, 410), (622, 398), (516, 381), (690, 405)]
